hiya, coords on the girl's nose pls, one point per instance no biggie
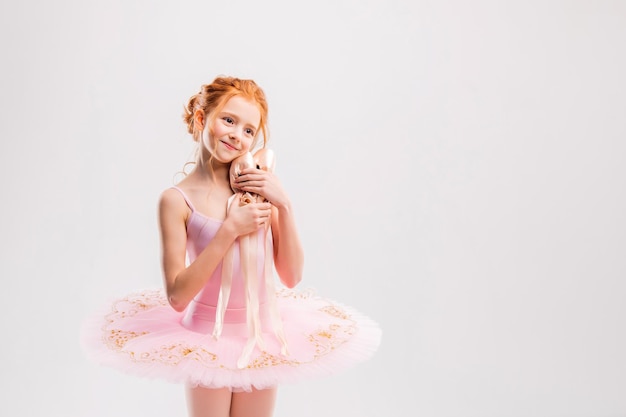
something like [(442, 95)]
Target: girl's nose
[(237, 134)]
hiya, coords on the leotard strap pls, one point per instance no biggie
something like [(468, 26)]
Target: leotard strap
[(185, 197)]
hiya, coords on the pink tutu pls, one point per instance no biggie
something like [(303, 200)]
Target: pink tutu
[(238, 332), (142, 334)]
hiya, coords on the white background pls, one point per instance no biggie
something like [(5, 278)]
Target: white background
[(456, 170)]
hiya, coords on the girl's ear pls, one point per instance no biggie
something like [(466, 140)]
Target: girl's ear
[(198, 120)]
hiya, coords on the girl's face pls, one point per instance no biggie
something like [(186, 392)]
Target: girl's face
[(233, 130)]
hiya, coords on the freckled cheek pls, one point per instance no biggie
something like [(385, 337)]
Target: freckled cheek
[(248, 143)]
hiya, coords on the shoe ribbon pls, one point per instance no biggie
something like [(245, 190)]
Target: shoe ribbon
[(248, 244)]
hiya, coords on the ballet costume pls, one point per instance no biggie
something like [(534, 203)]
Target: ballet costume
[(241, 331)]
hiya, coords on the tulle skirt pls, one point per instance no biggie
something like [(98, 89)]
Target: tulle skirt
[(142, 334)]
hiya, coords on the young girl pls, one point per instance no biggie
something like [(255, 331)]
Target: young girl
[(221, 325)]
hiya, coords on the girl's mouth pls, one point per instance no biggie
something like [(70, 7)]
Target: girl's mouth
[(229, 146)]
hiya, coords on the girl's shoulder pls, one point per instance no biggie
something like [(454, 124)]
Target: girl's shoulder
[(174, 200)]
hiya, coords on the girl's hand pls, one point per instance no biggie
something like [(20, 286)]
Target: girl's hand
[(244, 219), (263, 183)]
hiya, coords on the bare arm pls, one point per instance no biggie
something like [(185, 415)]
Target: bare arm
[(288, 253), (183, 282)]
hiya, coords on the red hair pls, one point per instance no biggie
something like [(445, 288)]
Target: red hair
[(213, 97)]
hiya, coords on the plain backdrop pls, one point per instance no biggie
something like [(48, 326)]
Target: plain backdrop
[(456, 169)]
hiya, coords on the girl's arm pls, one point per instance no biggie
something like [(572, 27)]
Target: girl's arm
[(183, 282), (288, 253)]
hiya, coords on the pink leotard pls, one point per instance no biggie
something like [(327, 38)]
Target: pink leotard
[(200, 314)]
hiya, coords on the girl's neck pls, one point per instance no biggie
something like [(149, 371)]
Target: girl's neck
[(213, 171)]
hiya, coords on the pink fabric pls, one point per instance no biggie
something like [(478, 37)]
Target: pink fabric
[(200, 230), (141, 334)]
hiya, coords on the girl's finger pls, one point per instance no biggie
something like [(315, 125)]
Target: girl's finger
[(250, 171)]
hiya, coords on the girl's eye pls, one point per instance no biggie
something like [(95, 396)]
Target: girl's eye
[(229, 120), (250, 132)]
